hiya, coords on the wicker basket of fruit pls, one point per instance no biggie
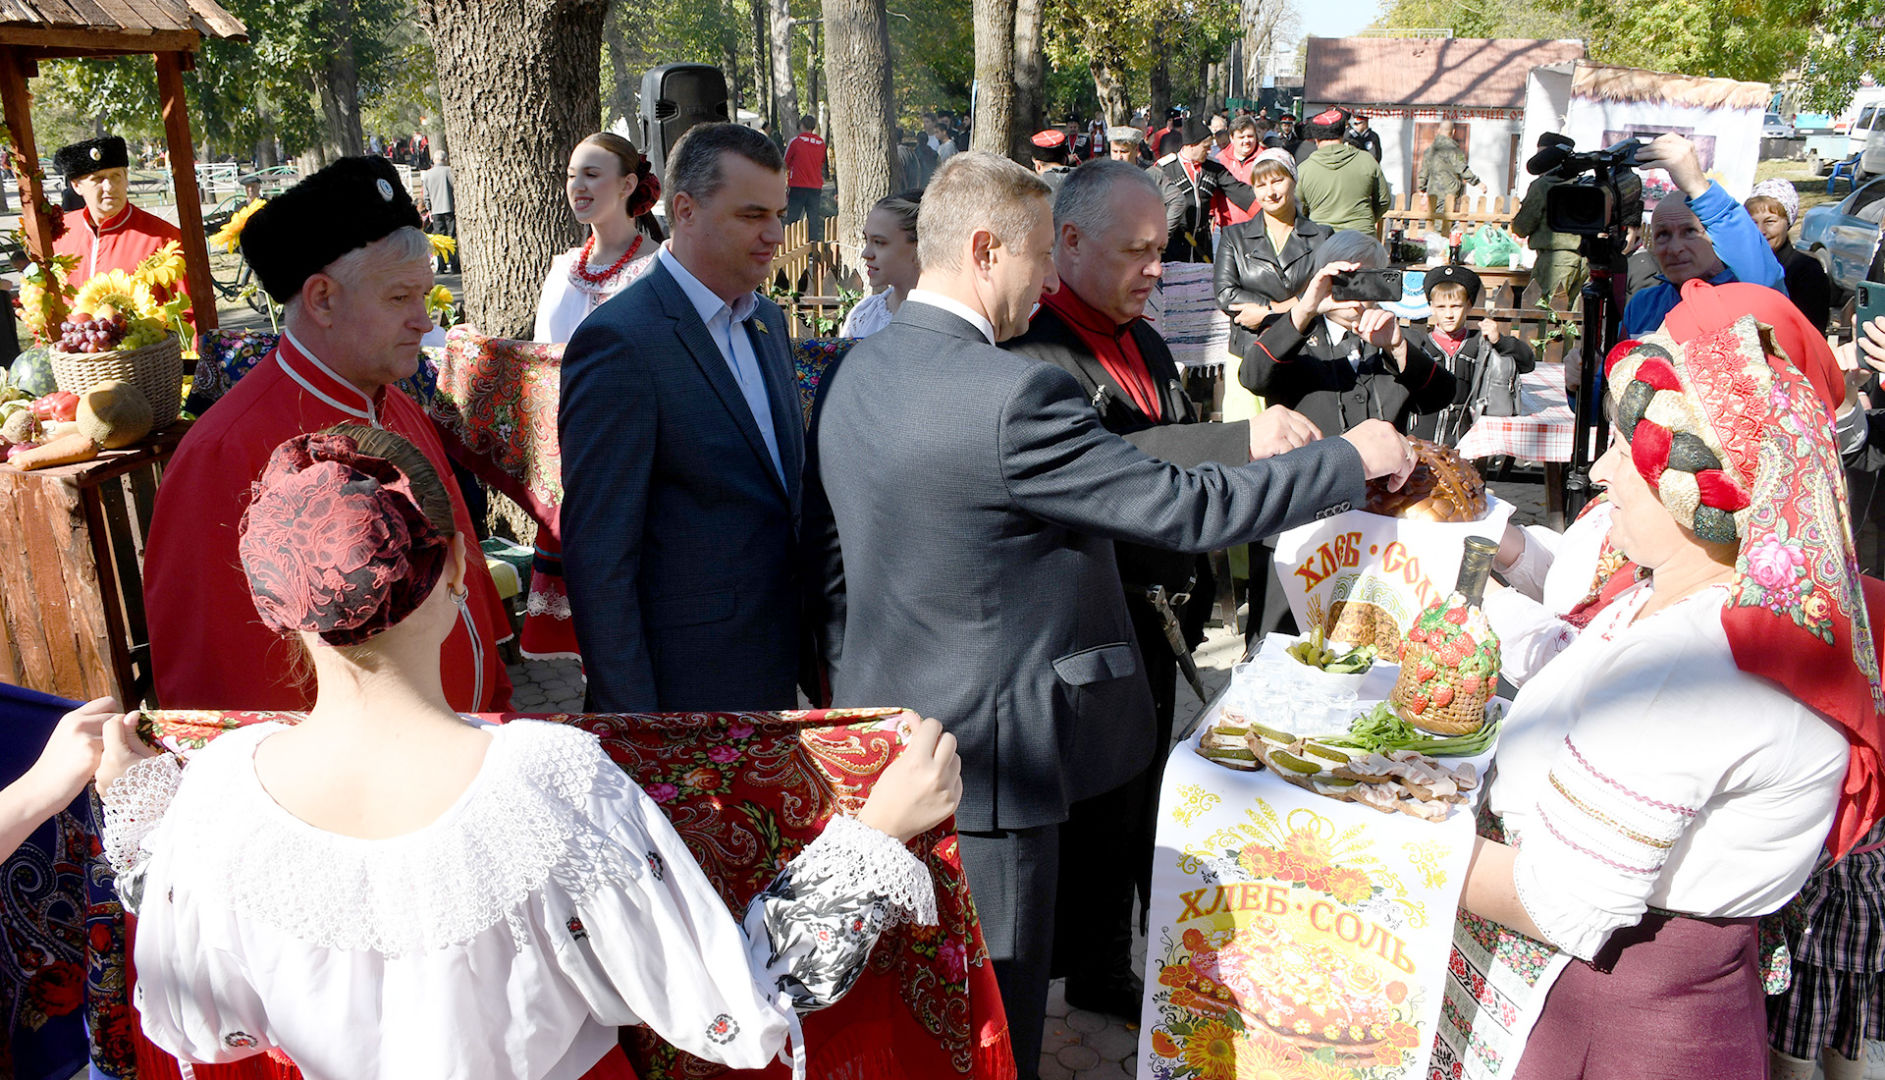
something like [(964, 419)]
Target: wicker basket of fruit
[(96, 348)]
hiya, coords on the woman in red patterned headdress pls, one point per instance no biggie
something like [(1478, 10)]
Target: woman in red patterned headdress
[(1673, 774)]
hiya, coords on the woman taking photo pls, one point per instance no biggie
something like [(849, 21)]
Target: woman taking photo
[(889, 263), (613, 191), (1339, 362), (386, 889), (1263, 264), (1671, 775)]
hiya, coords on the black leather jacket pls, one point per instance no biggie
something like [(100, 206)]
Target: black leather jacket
[(1248, 270)]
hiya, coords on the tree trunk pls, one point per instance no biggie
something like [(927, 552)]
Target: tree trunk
[(624, 95), (1109, 82), (730, 53), (520, 81), (762, 67), (994, 78), (857, 67), (785, 102), (1259, 25), (1030, 73), (1159, 84), (340, 84)]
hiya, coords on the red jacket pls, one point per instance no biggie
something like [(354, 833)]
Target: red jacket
[(805, 161), (209, 648)]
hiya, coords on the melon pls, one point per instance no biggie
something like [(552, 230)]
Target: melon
[(31, 372)]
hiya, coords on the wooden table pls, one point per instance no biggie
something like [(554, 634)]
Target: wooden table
[(71, 573)]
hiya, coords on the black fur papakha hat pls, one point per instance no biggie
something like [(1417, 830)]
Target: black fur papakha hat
[(90, 156), (350, 204)]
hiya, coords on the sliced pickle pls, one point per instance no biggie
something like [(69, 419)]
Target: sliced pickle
[(1326, 753), (1283, 759), (1270, 734), (1229, 754)]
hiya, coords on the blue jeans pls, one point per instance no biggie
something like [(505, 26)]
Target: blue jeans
[(806, 202)]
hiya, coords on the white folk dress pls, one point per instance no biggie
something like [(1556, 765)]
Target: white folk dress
[(1552, 575), (550, 905), (568, 297), (867, 316), (1641, 768)]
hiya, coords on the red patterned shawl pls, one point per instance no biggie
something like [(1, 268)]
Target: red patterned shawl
[(747, 791)]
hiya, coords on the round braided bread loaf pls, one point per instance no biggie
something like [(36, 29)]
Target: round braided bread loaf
[(1443, 487)]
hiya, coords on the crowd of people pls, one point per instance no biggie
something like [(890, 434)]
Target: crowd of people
[(995, 516)]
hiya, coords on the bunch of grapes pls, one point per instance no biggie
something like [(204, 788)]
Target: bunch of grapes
[(82, 333)]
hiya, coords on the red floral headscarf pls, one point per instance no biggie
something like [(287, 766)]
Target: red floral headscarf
[(1738, 444), (335, 543)]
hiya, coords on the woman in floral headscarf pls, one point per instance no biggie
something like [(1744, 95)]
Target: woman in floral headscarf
[(1672, 775)]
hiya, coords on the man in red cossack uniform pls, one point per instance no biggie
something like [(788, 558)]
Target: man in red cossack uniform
[(342, 252), (107, 233)]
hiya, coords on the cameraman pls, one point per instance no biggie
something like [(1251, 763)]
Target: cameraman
[(1705, 235)]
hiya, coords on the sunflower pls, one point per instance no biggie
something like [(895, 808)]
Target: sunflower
[(164, 269), (117, 290), (1260, 1058), (442, 246), (1212, 1051), (230, 235)]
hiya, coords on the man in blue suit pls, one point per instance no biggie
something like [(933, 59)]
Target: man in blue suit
[(682, 449)]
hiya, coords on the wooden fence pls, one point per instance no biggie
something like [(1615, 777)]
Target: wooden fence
[(1414, 212), (809, 282)]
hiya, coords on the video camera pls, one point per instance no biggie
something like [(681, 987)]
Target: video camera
[(1598, 206)]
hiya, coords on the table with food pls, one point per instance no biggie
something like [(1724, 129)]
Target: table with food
[(1315, 829)]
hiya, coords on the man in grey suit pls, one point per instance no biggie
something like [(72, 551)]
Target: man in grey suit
[(961, 506), (682, 453)]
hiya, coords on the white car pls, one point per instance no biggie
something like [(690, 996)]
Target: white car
[(1773, 127)]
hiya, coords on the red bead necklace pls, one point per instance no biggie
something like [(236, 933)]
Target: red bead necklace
[(598, 277)]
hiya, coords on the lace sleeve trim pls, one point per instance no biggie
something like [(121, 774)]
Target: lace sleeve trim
[(134, 804), (853, 859)]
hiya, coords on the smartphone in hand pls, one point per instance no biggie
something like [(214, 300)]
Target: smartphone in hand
[(1369, 285)]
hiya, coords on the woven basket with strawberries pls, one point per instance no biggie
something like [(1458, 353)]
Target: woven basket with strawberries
[(1449, 669)]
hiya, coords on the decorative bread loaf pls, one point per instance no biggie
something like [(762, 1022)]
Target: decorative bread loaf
[(1358, 622), (1449, 669), (1443, 487)]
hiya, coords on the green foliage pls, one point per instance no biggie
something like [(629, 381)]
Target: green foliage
[(1824, 45), (932, 56), (1131, 36), (240, 93), (1482, 18)]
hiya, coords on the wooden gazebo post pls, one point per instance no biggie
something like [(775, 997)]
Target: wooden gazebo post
[(182, 156), (170, 30)]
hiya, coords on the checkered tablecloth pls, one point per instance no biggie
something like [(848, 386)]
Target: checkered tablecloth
[(1541, 433)]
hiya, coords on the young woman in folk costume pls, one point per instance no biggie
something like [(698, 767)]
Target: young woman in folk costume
[(890, 262), (1673, 774), (386, 890), (612, 189)]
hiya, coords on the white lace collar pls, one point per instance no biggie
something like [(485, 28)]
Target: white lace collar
[(521, 823)]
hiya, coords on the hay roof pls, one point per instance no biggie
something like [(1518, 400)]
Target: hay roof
[(1635, 84)]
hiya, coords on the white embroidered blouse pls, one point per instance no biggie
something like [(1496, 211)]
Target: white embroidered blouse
[(550, 905), (568, 297), (867, 316), (1642, 768), (1552, 575)]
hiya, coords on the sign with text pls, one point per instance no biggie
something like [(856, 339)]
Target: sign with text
[(1356, 565), (1293, 935)]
